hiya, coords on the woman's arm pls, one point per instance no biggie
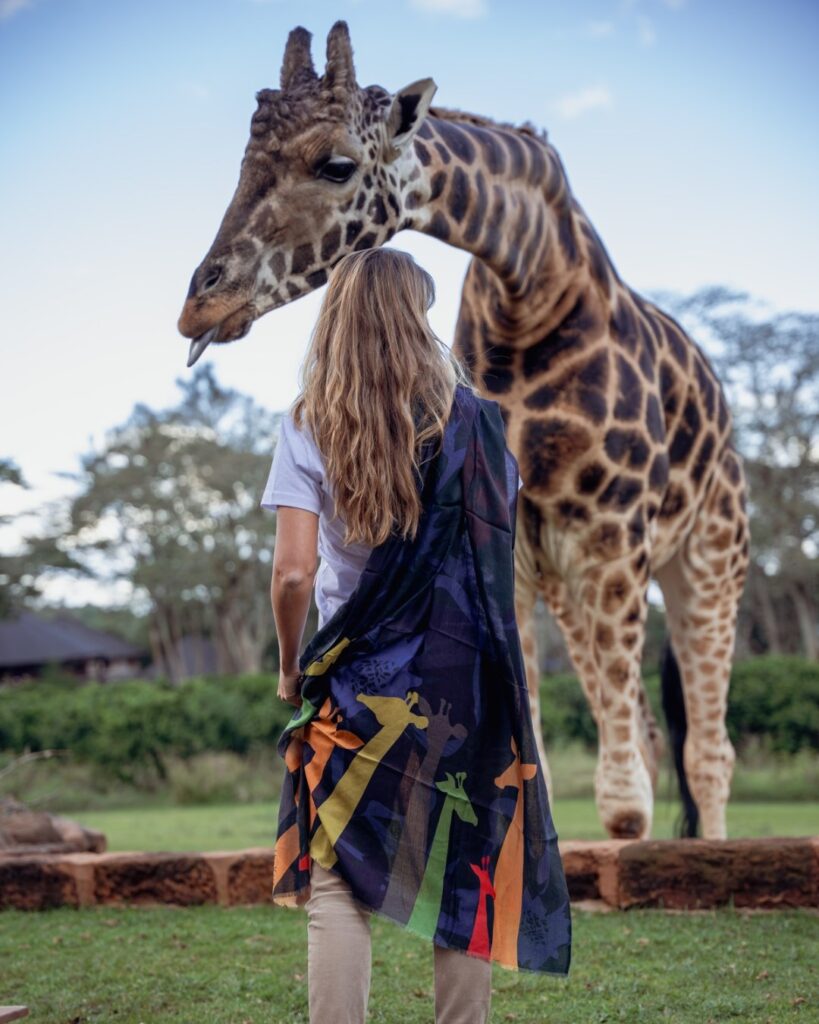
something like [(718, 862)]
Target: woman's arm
[(295, 562)]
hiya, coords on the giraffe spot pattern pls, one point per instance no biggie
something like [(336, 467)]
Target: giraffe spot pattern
[(353, 230), (590, 478), (630, 391), (685, 434), (621, 492), (458, 198), (550, 448), (302, 258), (626, 446), (476, 219), (580, 322), (330, 243), (457, 141)]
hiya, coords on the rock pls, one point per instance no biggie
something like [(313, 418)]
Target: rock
[(24, 831)]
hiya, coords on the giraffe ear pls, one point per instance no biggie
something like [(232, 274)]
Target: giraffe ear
[(408, 110)]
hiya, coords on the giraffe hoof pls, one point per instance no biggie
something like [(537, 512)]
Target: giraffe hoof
[(627, 825)]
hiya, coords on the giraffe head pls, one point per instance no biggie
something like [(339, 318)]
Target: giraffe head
[(323, 174), (482, 872), (453, 787)]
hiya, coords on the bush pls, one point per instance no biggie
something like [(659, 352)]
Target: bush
[(129, 729), (771, 700), (775, 698)]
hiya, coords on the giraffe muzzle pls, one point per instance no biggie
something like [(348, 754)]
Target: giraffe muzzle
[(236, 325)]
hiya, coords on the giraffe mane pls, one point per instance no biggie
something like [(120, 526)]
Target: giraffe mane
[(526, 128)]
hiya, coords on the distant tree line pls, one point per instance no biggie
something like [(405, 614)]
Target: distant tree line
[(169, 505), (130, 730)]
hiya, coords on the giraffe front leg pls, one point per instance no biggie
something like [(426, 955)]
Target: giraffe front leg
[(614, 610), (527, 585)]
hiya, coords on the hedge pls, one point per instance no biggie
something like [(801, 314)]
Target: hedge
[(129, 728)]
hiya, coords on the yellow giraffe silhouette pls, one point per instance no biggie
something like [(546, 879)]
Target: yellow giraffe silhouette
[(393, 714)]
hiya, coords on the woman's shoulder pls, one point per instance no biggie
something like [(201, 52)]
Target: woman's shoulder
[(298, 436), (289, 426)]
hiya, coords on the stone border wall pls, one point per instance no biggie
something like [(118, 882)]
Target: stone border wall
[(683, 874)]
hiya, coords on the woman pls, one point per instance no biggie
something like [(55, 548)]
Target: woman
[(412, 786)]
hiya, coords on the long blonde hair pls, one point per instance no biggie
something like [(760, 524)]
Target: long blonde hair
[(376, 385)]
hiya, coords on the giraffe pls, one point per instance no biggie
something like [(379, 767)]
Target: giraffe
[(393, 714), (615, 415), (508, 877), (424, 917), (479, 942)]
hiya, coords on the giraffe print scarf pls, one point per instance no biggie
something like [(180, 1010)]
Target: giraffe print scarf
[(411, 767)]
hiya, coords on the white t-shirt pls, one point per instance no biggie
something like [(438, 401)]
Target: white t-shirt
[(297, 478)]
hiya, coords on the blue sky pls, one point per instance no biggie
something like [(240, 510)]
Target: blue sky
[(685, 127)]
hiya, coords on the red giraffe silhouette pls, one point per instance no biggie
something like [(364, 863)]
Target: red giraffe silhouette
[(479, 942)]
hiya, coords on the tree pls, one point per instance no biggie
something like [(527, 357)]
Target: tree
[(769, 365), (170, 504), (23, 573)]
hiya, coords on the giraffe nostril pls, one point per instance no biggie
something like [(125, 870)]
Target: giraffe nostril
[(212, 278)]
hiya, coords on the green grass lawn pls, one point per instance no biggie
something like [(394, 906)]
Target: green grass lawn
[(234, 826), (247, 965)]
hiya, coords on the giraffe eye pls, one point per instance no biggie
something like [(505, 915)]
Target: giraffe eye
[(336, 169)]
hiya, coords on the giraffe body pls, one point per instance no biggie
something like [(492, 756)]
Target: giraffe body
[(618, 422)]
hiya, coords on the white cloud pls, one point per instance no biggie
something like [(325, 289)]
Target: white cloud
[(457, 8), (194, 90), (8, 8), (573, 104), (645, 27), (600, 28), (630, 10)]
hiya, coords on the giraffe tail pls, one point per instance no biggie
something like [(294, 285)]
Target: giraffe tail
[(687, 823)]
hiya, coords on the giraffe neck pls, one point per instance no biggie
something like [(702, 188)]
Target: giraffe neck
[(479, 943), (428, 902), (441, 837), (502, 195)]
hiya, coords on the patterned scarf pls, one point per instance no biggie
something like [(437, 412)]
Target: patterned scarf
[(411, 768)]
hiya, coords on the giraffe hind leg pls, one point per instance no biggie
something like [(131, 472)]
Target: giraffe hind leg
[(702, 585)]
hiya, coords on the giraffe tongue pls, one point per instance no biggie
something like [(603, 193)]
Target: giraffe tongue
[(199, 344)]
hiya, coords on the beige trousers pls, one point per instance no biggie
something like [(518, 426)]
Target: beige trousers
[(339, 961)]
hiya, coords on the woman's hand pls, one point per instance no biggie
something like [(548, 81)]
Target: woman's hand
[(289, 687)]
